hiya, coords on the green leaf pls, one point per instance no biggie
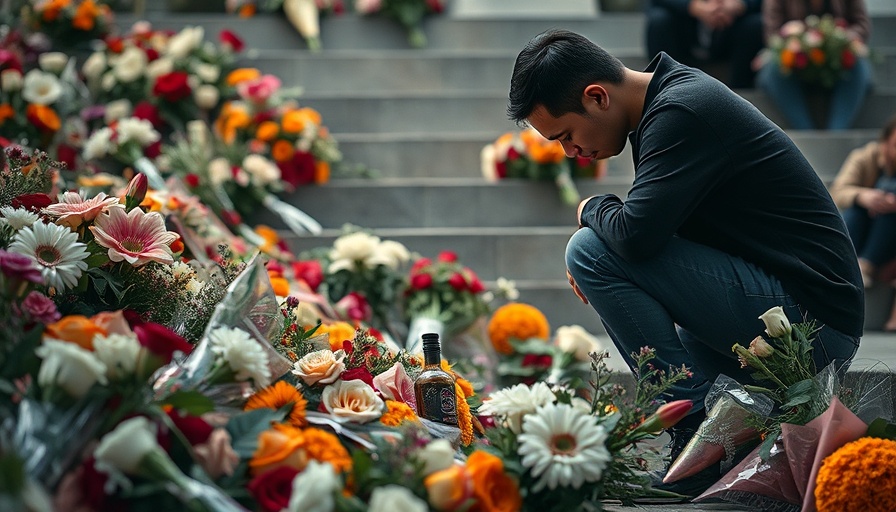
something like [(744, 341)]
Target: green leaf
[(12, 474), (193, 403), (245, 428), (882, 429)]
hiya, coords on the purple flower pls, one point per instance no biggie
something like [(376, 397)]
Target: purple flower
[(16, 266), (41, 308)]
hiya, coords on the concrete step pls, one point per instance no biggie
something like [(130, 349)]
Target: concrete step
[(458, 203), (456, 155), (435, 70), (466, 111)]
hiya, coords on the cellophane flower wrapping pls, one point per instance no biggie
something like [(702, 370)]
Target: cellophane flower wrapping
[(249, 305), (785, 480)]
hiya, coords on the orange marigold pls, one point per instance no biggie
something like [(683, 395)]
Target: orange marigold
[(493, 489), (267, 131), (278, 395), (397, 413), (86, 15), (323, 446), (282, 150), (242, 75), (859, 476), (518, 321), (464, 416)]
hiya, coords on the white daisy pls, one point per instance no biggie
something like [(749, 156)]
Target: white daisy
[(563, 446), (18, 218), (56, 249), (242, 353), (515, 402)]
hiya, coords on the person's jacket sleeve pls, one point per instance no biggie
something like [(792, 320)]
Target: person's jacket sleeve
[(859, 171)]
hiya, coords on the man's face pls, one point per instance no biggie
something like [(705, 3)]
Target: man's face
[(593, 134)]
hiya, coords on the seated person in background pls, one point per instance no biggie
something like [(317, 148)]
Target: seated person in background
[(691, 31), (788, 92), (865, 189)]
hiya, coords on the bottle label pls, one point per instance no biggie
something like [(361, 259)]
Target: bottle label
[(440, 403)]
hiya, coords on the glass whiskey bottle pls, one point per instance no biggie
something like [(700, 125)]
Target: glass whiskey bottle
[(434, 388)]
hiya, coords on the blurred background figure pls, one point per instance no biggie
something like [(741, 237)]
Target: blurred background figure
[(865, 190), (697, 32), (828, 55)]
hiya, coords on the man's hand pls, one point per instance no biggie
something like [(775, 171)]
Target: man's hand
[(876, 201), (579, 210), (575, 287)]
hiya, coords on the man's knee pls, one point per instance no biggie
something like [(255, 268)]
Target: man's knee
[(582, 250)]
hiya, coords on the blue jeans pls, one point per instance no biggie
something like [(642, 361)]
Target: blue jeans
[(873, 237), (691, 303), (787, 92)]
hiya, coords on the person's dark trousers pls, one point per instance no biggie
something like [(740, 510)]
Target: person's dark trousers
[(873, 237), (676, 34)]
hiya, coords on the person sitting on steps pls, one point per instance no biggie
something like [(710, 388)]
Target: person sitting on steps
[(865, 190)]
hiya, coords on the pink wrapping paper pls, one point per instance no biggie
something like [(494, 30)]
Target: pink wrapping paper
[(788, 476)]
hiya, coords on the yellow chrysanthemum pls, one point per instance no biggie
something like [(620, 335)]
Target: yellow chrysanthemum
[(397, 413), (518, 321), (323, 446), (339, 332), (859, 476), (276, 396)]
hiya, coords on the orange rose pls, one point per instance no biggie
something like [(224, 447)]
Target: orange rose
[(281, 445), (448, 489), (44, 117), (267, 131), (242, 75), (321, 172), (494, 490), (76, 329), (294, 121), (280, 285), (282, 151), (112, 322)]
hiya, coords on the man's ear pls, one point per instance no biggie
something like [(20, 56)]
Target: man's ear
[(597, 93)]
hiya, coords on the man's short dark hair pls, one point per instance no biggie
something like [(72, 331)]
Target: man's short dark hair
[(553, 70)]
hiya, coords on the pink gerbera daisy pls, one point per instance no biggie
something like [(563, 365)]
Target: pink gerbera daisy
[(72, 209), (136, 237)]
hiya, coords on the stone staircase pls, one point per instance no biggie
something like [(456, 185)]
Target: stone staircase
[(421, 117)]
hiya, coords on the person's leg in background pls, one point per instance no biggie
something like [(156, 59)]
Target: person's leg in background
[(670, 32), (858, 223), (849, 94), (739, 44), (787, 94)]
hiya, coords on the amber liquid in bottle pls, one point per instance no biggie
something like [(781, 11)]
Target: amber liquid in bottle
[(436, 399)]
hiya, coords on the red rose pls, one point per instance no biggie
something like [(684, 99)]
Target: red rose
[(355, 307), (114, 44), (512, 154), (537, 360), (501, 169), (421, 281), (153, 150), (160, 340), (435, 6), (476, 285), (172, 86), (272, 489), (194, 428), (9, 60), (848, 59), (448, 256), (32, 202), (457, 282), (800, 60), (362, 374), (299, 170), (310, 272), (419, 264), (67, 155), (192, 180), (151, 54), (232, 40), (231, 218), (348, 347), (148, 111)]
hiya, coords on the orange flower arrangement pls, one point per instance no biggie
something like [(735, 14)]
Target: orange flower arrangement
[(397, 413), (323, 446), (540, 149), (493, 489), (516, 321), (278, 395), (859, 476)]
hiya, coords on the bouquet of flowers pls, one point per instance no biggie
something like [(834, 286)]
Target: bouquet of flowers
[(408, 13), (528, 155), (68, 22), (130, 141), (304, 15), (817, 51)]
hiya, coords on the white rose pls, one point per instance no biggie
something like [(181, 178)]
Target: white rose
[(576, 340), (352, 400), (159, 67), (94, 66), (314, 489), (776, 323), (130, 65), (99, 144), (206, 96), (181, 44), (324, 366), (138, 130), (219, 171), (262, 170), (52, 62), (395, 498), (41, 88), (69, 366), (116, 110), (119, 352), (209, 73), (11, 80), (390, 254), (126, 446), (436, 456), (351, 248)]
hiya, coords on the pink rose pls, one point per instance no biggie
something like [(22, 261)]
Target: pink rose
[(260, 89)]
